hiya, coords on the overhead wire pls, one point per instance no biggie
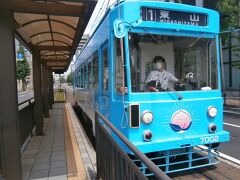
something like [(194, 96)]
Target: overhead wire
[(103, 9), (96, 17)]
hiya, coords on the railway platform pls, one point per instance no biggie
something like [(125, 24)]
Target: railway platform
[(63, 152)]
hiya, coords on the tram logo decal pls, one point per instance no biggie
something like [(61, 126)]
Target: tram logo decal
[(181, 121)]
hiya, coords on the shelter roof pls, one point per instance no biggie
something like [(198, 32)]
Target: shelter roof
[(55, 27)]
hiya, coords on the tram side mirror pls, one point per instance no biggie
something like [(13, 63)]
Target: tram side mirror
[(119, 28)]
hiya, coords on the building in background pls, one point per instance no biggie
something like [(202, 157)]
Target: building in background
[(231, 61), (211, 4)]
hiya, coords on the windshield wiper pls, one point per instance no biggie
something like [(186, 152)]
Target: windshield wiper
[(194, 42)]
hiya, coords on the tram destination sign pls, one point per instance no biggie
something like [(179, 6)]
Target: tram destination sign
[(174, 17)]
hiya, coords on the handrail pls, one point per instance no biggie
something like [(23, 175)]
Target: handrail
[(28, 100), (159, 174)]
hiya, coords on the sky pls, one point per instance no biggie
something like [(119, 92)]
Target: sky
[(97, 15), (99, 11)]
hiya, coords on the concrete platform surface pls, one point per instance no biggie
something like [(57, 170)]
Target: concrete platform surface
[(64, 152)]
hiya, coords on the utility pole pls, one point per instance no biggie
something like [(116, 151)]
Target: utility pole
[(199, 3)]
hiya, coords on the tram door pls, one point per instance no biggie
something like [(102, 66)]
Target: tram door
[(104, 93)]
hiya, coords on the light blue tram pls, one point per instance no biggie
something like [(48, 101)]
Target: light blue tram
[(111, 71)]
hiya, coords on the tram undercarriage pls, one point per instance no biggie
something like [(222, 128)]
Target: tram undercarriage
[(188, 158)]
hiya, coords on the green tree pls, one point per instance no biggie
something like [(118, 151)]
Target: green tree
[(69, 78), (230, 13), (22, 68), (62, 79)]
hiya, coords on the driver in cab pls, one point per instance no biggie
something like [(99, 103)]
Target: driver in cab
[(158, 79)]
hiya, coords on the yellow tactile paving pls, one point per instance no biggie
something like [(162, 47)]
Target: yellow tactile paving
[(59, 95), (75, 166)]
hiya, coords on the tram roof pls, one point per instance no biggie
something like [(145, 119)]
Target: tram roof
[(55, 27)]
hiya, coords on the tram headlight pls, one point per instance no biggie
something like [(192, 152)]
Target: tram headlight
[(147, 135), (147, 117), (212, 111), (212, 128)]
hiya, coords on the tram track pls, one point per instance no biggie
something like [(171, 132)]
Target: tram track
[(221, 171)]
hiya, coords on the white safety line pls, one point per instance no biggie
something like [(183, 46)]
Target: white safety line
[(232, 108), (232, 112), (232, 125), (232, 159), (222, 155)]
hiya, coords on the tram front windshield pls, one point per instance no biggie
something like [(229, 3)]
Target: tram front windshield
[(187, 63)]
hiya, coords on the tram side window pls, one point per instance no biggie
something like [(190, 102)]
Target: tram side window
[(85, 76), (74, 78), (75, 75), (134, 52), (81, 77), (119, 70), (95, 70), (74, 82), (78, 77), (89, 75), (105, 69)]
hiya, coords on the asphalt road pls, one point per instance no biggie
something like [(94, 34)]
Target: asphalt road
[(232, 124)]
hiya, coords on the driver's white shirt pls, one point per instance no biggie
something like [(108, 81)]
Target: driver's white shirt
[(163, 78)]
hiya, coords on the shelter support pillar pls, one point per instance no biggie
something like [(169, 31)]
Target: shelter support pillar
[(37, 83), (9, 124), (45, 90), (52, 93)]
